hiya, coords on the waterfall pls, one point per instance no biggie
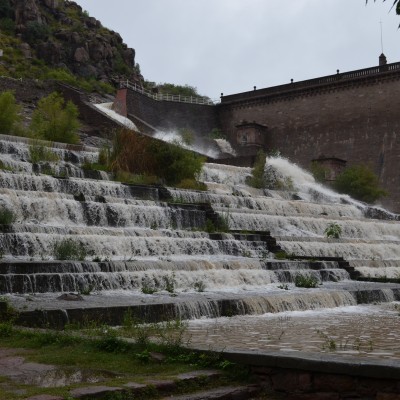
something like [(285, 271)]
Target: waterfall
[(134, 242)]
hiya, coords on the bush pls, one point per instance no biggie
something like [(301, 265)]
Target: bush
[(7, 25), (35, 31), (53, 120), (9, 113), (318, 171), (39, 153), (173, 163), (7, 217), (333, 230), (67, 249), (305, 281), (6, 11), (360, 183), (257, 179), (217, 134), (142, 155)]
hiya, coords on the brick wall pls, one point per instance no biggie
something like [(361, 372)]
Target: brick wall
[(356, 121), (168, 115)]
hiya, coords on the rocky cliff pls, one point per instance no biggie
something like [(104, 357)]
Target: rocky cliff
[(64, 36)]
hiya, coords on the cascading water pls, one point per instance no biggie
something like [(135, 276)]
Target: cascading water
[(134, 242)]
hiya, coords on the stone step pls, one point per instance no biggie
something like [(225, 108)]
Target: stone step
[(221, 393), (155, 387)]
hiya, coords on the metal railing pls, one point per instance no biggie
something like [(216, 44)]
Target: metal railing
[(165, 96), (314, 82)]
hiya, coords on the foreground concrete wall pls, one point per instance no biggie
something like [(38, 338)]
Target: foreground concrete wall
[(322, 376)]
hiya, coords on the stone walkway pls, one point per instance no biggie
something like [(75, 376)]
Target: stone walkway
[(20, 372)]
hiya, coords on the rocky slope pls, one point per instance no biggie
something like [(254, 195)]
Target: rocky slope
[(64, 36)]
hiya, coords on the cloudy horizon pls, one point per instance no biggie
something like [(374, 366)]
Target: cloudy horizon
[(230, 46)]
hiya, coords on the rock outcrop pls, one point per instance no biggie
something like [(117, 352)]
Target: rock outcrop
[(64, 36)]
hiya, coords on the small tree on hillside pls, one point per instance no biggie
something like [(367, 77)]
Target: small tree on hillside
[(56, 121), (360, 183), (9, 113)]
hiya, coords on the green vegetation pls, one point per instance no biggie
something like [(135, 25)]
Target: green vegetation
[(199, 286), (102, 348), (169, 162), (191, 184), (281, 255), (36, 31), (304, 281), (216, 134), (6, 11), (9, 113), (169, 282), (257, 179), (361, 183), (333, 231), (7, 217), (170, 88), (187, 136), (68, 249), (318, 172), (56, 121), (40, 153)]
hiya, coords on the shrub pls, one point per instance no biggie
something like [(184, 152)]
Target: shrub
[(53, 120), (7, 217), (39, 153), (7, 25), (333, 230), (139, 154), (6, 11), (9, 113), (169, 281), (67, 249), (305, 281), (318, 171), (35, 31), (173, 163), (361, 183), (257, 179), (216, 134), (199, 286)]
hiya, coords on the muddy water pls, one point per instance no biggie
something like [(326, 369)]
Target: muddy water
[(361, 331)]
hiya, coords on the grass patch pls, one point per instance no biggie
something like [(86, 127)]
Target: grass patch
[(305, 281), (40, 153)]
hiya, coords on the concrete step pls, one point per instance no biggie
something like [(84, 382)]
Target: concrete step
[(221, 393)]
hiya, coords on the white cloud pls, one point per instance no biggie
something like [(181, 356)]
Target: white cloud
[(231, 45)]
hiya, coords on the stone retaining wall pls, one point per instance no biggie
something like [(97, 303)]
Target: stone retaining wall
[(323, 376)]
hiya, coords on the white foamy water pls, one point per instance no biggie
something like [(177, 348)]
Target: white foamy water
[(106, 108), (152, 241), (356, 331)]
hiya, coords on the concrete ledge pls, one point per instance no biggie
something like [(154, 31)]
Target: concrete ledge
[(322, 363)]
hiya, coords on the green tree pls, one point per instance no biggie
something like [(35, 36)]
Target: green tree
[(9, 113), (56, 121), (361, 183), (173, 163)]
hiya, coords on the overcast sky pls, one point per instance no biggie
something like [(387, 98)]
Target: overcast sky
[(230, 46)]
